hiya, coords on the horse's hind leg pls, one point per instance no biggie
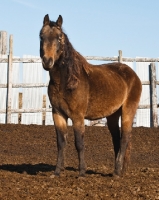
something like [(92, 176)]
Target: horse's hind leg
[(123, 157), (61, 133), (113, 126)]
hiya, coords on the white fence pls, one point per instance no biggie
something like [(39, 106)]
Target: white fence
[(26, 76)]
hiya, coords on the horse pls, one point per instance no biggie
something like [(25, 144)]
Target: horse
[(79, 90)]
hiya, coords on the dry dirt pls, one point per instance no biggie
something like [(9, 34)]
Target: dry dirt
[(28, 158)]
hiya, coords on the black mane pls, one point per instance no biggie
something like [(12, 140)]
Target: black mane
[(71, 59)]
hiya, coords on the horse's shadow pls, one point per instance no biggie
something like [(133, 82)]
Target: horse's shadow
[(91, 172), (41, 167), (28, 168)]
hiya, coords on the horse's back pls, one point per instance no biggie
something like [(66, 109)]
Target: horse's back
[(114, 70), (113, 73)]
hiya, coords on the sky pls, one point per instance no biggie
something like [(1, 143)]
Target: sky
[(94, 27)]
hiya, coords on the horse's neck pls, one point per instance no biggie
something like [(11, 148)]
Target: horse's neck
[(55, 75)]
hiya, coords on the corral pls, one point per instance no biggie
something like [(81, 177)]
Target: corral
[(28, 153), (26, 75), (28, 158)]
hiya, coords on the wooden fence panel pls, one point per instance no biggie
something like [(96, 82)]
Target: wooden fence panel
[(143, 115), (48, 116), (15, 92), (33, 85), (130, 64), (32, 97), (3, 42), (3, 91), (157, 87)]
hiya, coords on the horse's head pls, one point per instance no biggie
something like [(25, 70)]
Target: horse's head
[(51, 42)]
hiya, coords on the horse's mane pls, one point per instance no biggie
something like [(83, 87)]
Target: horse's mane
[(74, 62)]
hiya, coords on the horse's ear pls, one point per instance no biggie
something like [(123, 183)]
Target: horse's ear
[(46, 20), (59, 21)]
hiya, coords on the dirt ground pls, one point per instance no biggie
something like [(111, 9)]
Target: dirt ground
[(28, 158)]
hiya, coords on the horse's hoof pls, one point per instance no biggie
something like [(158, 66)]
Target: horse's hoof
[(52, 176), (57, 174), (82, 174), (81, 178), (116, 176)]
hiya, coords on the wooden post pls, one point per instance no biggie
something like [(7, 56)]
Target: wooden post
[(9, 91), (120, 56), (3, 42), (153, 96)]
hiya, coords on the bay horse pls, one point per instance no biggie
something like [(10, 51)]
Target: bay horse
[(79, 90)]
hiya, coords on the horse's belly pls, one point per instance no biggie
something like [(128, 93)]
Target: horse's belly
[(104, 104), (101, 111)]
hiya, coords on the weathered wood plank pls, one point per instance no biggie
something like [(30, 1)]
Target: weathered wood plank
[(9, 91), (29, 85), (22, 60), (27, 110), (25, 85), (153, 96), (100, 58), (124, 59), (120, 57), (50, 109), (3, 42)]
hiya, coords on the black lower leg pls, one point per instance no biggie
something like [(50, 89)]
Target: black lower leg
[(113, 126), (116, 142), (79, 144), (122, 153), (61, 143)]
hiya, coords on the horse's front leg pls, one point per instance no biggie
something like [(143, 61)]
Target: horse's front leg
[(61, 133), (79, 129)]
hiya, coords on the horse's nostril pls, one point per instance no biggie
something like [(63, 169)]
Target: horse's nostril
[(48, 61), (44, 59)]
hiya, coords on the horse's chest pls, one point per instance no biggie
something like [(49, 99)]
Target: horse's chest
[(54, 96), (57, 98)]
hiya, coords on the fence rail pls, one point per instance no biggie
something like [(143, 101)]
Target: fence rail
[(124, 59), (98, 58), (151, 107)]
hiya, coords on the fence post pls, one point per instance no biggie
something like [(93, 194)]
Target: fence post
[(120, 56), (3, 42), (153, 96), (9, 91)]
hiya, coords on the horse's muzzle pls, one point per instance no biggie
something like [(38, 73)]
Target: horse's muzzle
[(47, 63)]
